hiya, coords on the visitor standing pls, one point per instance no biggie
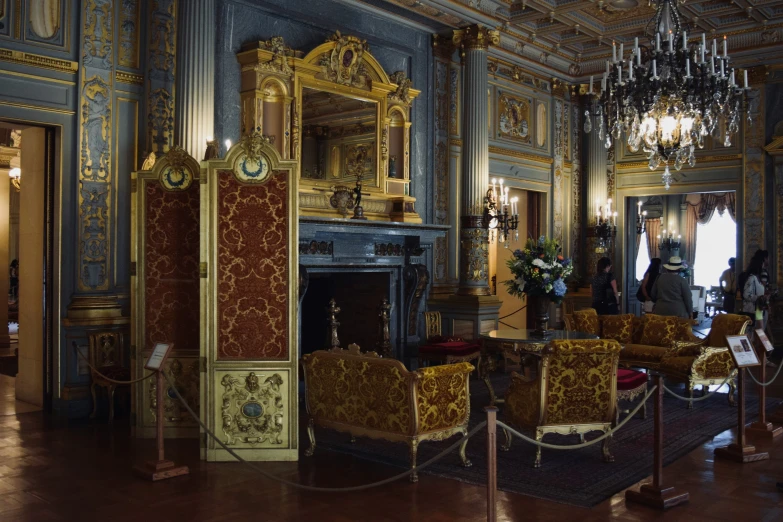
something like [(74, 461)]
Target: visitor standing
[(671, 293), (13, 273), (728, 284), (606, 300), (645, 290)]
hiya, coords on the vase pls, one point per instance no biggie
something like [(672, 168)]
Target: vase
[(540, 304)]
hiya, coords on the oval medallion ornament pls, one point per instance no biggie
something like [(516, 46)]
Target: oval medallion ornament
[(253, 170), (45, 18), (176, 178), (252, 409)]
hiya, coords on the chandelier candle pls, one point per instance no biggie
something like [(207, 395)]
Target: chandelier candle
[(668, 106)]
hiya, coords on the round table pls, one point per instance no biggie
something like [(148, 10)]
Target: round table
[(512, 345)]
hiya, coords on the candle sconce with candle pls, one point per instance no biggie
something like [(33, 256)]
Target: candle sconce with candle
[(501, 213), (605, 226), (641, 218)]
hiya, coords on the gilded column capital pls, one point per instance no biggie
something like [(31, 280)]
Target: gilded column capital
[(559, 88), (476, 37), (442, 46)]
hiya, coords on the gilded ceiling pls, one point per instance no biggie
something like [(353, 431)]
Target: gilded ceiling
[(575, 36)]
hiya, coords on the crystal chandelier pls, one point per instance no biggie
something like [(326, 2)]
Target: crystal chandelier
[(667, 98)]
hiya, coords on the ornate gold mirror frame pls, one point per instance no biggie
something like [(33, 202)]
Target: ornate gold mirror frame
[(273, 81), (165, 286)]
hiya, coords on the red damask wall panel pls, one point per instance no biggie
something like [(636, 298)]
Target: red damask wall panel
[(171, 308), (252, 268)]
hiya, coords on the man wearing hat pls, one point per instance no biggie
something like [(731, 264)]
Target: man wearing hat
[(671, 293)]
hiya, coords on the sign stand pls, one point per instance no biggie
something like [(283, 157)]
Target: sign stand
[(657, 495), (740, 451), (762, 428), (160, 469)]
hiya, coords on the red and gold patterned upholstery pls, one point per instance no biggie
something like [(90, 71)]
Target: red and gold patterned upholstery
[(587, 321), (445, 350), (630, 385), (575, 391), (661, 330), (617, 327), (366, 395)]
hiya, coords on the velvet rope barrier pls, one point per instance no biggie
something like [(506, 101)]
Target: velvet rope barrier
[(691, 399), (255, 468), (113, 381), (582, 444)]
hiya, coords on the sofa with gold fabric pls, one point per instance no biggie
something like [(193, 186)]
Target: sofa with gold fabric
[(667, 344), (365, 395), (574, 392), (646, 340)]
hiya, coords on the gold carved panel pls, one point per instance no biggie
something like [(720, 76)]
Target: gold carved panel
[(254, 408)]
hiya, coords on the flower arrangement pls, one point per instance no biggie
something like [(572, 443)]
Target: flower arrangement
[(539, 270), (685, 271)]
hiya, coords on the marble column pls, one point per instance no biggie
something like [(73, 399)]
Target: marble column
[(195, 101), (5, 247), (597, 189), (474, 253)]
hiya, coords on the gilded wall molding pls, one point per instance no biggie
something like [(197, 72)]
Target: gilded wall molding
[(557, 189), (576, 188), (702, 160), (753, 170), (95, 146), (130, 78), (36, 60), (161, 59), (519, 154), (128, 49)]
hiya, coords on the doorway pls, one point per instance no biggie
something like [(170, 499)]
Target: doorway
[(26, 232)]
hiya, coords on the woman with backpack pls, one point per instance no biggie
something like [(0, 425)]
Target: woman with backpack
[(650, 276), (753, 290)]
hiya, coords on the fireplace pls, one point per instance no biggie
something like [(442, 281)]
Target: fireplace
[(358, 294), (358, 263)]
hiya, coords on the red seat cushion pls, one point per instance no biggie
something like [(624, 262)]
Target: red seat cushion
[(449, 348), (630, 379)]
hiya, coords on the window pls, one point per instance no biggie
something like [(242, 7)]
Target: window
[(716, 242), (642, 258)]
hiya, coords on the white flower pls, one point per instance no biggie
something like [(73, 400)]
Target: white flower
[(520, 281), (539, 263)]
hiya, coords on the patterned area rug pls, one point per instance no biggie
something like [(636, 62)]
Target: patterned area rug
[(577, 477)]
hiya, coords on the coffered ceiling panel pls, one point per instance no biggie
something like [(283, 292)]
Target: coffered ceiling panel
[(575, 36)]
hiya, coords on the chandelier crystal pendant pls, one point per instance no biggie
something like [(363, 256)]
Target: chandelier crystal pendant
[(501, 213), (669, 96)]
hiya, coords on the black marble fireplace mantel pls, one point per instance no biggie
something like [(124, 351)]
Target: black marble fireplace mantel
[(403, 251)]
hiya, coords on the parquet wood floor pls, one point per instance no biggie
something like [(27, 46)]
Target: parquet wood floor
[(55, 471)]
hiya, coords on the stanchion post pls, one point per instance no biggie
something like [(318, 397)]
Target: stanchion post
[(657, 495), (740, 451), (160, 469), (492, 463), (763, 429)]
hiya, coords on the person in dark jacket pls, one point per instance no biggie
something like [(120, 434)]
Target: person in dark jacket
[(606, 300)]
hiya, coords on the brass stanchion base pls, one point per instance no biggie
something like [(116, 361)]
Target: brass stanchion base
[(658, 498), (743, 454), (155, 470), (763, 430)]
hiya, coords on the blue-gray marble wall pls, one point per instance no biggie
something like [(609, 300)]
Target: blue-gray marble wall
[(307, 24)]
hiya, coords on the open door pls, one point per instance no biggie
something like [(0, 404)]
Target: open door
[(249, 270)]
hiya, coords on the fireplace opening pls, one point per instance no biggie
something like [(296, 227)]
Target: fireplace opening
[(359, 296)]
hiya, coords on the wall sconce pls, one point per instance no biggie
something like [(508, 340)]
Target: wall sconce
[(605, 226), (497, 215), (641, 217), (16, 178)]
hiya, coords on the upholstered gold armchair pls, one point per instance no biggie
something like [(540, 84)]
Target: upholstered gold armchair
[(574, 393), (365, 395), (708, 361), (445, 350)]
